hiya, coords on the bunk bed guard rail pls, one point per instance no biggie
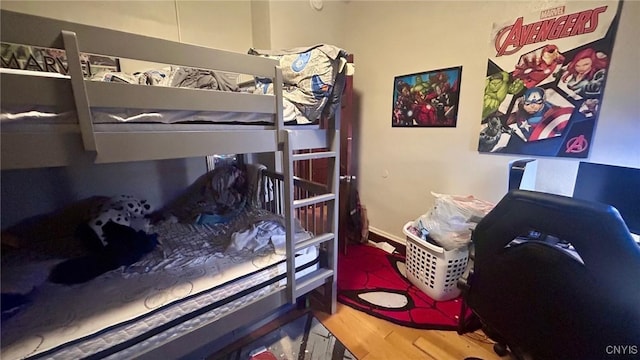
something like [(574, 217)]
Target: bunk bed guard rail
[(75, 38)]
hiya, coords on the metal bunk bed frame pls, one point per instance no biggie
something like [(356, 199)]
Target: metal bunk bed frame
[(46, 145)]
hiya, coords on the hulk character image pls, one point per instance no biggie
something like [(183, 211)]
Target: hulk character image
[(497, 87)]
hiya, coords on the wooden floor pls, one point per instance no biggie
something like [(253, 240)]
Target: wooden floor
[(371, 338)]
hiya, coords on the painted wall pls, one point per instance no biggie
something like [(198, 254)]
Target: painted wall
[(399, 167), (220, 24), (205, 23), (296, 24), (261, 24)]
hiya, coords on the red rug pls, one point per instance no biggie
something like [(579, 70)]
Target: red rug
[(373, 281)]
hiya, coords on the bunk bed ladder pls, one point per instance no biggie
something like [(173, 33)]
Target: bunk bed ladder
[(327, 240), (79, 89)]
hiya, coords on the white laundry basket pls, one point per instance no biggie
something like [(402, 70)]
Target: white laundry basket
[(433, 269)]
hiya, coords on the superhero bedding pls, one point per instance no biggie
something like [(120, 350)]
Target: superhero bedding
[(198, 272), (310, 76)]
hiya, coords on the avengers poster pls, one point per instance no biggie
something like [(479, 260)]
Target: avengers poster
[(546, 76), (426, 99)]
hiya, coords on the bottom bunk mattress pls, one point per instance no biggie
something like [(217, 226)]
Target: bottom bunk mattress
[(193, 278)]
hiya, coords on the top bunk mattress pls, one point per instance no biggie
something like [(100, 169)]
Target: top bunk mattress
[(42, 115), (312, 85), (38, 114)]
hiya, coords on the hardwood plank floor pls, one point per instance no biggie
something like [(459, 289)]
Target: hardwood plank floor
[(369, 338)]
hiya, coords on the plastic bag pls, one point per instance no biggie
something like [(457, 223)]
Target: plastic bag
[(452, 219)]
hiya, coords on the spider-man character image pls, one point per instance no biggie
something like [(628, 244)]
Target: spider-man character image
[(375, 282), (536, 66)]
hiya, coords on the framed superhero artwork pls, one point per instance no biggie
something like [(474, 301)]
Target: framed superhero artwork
[(546, 76), (426, 99)]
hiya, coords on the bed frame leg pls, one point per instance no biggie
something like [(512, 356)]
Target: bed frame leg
[(330, 295), (333, 295)]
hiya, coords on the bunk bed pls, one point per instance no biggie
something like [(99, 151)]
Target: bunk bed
[(183, 316)]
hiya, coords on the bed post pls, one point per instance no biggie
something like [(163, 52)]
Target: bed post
[(284, 139), (333, 184), (278, 82), (289, 215)]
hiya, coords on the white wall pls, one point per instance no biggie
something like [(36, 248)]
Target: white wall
[(296, 23), (220, 24), (261, 24), (398, 167)]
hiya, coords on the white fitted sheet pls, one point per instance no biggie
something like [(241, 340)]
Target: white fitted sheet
[(130, 307), (40, 114)]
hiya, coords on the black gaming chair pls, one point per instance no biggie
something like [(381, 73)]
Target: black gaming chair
[(536, 297)]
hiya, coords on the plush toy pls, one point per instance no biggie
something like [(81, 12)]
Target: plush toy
[(124, 210), (124, 246)]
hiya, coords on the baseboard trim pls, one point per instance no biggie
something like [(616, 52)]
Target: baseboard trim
[(379, 236), (386, 235)]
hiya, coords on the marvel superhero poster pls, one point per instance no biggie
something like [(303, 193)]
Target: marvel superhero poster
[(426, 99), (546, 76)]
